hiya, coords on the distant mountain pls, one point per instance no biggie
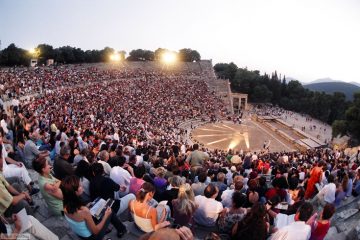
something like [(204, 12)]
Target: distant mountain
[(334, 86), (321, 80), (355, 83)]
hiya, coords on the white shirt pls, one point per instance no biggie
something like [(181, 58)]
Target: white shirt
[(294, 231), (120, 176), (139, 160), (208, 211), (4, 156), (328, 193), (107, 167), (236, 159), (4, 126), (301, 176), (183, 149), (15, 102), (226, 197)]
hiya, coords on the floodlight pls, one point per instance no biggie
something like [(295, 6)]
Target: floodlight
[(169, 57), (115, 57)]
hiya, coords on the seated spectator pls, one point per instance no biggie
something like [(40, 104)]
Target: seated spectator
[(253, 226), (104, 157), (327, 193), (173, 192), (199, 187), (297, 230), (31, 151), (137, 181), (350, 184), (340, 194), (49, 186), (184, 206), (321, 226), (235, 213), (297, 200), (78, 216), (252, 194), (356, 184), (62, 167), (160, 183), (183, 233), (146, 217), (209, 209), (36, 231), (220, 184), (83, 171), (227, 194), (120, 175), (279, 186), (105, 187), (12, 200), (15, 169), (81, 156)]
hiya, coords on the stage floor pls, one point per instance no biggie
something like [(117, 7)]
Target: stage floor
[(249, 135)]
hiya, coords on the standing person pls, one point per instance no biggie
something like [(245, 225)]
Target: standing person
[(196, 159), (315, 177)]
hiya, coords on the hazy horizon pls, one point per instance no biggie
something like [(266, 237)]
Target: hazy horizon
[(305, 40)]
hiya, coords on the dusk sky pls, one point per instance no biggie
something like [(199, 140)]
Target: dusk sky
[(304, 39)]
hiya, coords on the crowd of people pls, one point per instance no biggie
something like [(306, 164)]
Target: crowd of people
[(120, 140)]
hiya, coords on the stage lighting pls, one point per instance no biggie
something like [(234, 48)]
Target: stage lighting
[(169, 57)]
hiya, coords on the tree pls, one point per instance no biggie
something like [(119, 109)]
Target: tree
[(189, 55), (105, 54), (45, 52), (14, 56), (141, 55), (226, 71), (261, 94), (339, 127), (159, 53)]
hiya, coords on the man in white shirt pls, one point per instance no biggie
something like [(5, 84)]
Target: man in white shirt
[(121, 176), (297, 230), (226, 196), (104, 157), (209, 209), (327, 193)]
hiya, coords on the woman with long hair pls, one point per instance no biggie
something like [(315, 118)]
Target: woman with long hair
[(254, 226), (229, 216), (79, 216), (146, 217), (49, 186), (184, 206)]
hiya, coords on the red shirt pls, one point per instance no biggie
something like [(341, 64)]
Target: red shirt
[(320, 231)]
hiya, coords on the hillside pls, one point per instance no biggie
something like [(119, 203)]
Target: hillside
[(330, 87)]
